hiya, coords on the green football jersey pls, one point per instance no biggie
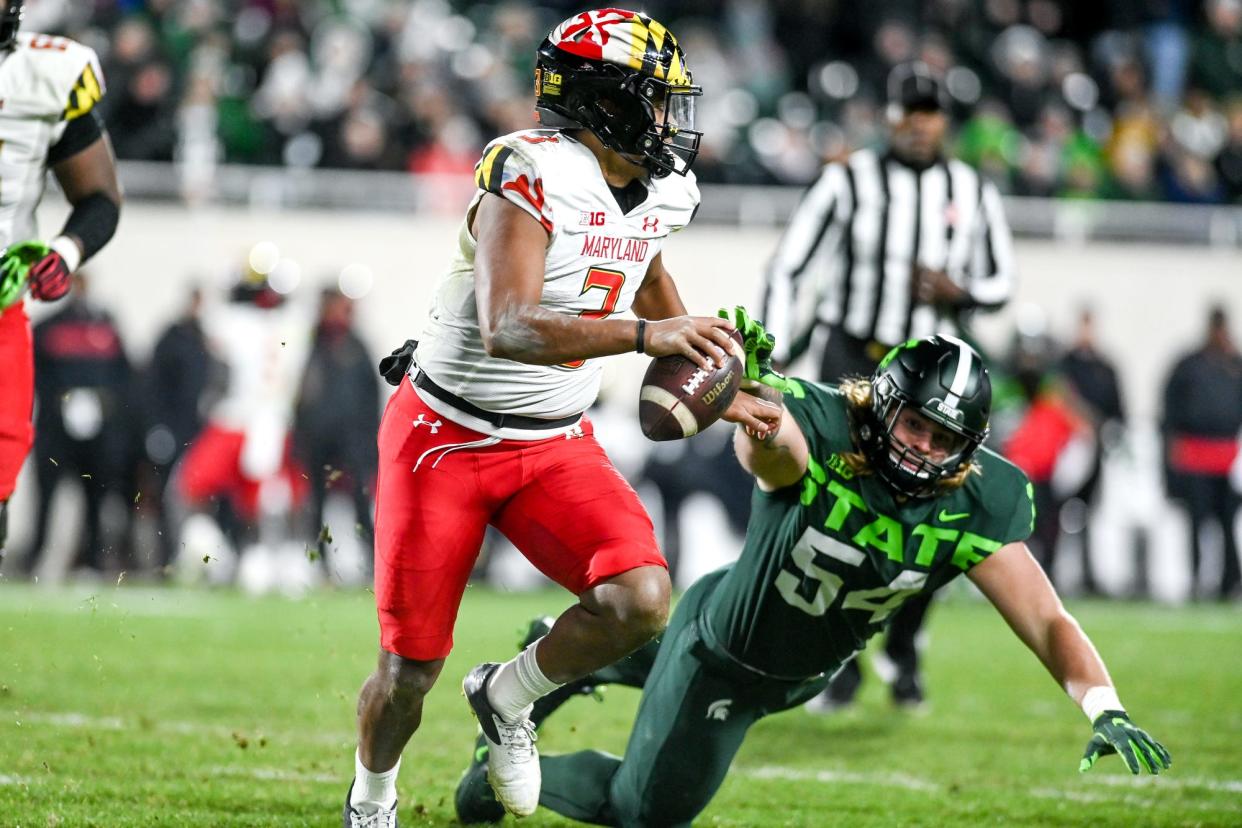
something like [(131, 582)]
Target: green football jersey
[(827, 561)]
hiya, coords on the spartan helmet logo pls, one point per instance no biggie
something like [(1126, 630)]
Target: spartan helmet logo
[(719, 710)]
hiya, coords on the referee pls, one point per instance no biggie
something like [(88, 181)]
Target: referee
[(888, 246)]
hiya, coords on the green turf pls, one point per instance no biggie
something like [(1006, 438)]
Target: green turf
[(139, 706)]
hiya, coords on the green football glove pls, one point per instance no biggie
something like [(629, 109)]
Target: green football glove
[(758, 345), (15, 263), (1115, 733)]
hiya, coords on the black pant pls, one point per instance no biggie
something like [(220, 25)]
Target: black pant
[(326, 460), (848, 356), (1213, 499), (86, 462)]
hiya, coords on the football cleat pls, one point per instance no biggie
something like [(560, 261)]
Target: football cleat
[(908, 692), (512, 759), (353, 818)]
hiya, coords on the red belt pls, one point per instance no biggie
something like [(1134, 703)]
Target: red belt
[(1203, 455)]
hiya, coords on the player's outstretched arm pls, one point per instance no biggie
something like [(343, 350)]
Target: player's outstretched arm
[(509, 274), (1018, 588), (770, 444)]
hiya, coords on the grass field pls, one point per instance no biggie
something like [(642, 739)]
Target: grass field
[(140, 706)]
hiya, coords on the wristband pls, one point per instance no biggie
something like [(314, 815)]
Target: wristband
[(1098, 699), (641, 346), (68, 250)]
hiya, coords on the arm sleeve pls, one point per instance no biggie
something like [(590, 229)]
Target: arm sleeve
[(79, 134), (992, 262), (507, 171), (790, 295)]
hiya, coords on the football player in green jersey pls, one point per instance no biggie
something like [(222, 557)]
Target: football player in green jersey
[(866, 494)]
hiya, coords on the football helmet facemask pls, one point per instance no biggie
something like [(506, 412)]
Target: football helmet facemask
[(622, 76), (944, 380), (10, 22)]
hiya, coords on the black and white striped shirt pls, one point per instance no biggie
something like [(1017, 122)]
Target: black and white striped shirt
[(847, 258)]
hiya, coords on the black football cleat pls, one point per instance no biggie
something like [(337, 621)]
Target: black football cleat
[(475, 801), (908, 691)]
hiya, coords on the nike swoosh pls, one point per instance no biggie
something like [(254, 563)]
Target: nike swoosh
[(945, 517)]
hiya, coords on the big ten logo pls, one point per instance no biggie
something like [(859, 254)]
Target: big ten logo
[(592, 218), (547, 82)]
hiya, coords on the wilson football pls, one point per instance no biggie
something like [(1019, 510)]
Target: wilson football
[(680, 399)]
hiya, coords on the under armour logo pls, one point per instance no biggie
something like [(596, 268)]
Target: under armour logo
[(574, 433), (435, 427), (719, 710), (651, 224)]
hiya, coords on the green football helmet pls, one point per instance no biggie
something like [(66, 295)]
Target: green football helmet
[(943, 379)]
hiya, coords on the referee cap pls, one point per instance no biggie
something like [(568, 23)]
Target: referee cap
[(914, 87)]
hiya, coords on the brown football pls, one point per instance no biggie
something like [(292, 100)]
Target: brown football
[(680, 399)]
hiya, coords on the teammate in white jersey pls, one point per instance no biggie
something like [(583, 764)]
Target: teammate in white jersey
[(48, 90), (565, 232), (244, 453)]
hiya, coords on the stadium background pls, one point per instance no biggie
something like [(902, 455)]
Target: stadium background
[(343, 133)]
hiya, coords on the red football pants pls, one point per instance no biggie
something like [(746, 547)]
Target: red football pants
[(211, 468), (16, 395), (559, 500)]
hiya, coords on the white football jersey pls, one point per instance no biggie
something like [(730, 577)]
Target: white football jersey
[(264, 352), (45, 82), (597, 258)]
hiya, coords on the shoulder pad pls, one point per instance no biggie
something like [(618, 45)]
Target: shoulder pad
[(509, 168), (59, 77)]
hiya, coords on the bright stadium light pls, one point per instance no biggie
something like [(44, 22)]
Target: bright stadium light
[(837, 80), (285, 277), (264, 257), (355, 280)]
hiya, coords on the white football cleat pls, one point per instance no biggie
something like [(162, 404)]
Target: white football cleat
[(512, 759)]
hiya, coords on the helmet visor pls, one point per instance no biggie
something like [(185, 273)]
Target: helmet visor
[(679, 108), (673, 109)]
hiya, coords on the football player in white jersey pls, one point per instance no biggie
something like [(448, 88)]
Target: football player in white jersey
[(244, 452), (48, 90), (564, 233)]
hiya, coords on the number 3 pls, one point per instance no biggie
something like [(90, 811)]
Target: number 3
[(610, 281)]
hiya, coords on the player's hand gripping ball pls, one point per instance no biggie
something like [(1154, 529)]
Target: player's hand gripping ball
[(679, 399)]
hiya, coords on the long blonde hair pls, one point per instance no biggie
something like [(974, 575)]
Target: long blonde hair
[(858, 396)]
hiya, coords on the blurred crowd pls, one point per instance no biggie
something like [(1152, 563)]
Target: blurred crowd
[(220, 458), (1125, 99)]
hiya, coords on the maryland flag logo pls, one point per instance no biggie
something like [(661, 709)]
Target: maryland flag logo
[(626, 38), (86, 92)]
